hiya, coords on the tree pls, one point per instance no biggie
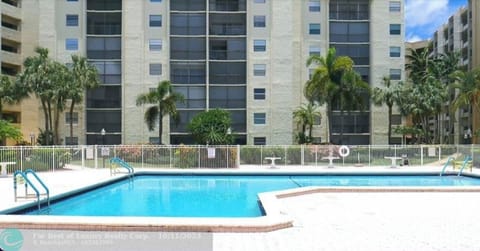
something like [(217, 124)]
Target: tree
[(468, 84), (421, 101), (388, 96), (164, 101), (326, 79), (8, 131), (10, 92), (37, 78), (84, 76), (350, 95), (212, 127), (305, 117)]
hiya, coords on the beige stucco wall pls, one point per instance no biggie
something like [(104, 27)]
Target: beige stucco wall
[(380, 60)]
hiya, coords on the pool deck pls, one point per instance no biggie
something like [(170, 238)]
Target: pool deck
[(327, 220)]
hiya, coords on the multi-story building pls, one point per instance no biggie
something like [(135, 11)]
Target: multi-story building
[(459, 35), (245, 56), (16, 41)]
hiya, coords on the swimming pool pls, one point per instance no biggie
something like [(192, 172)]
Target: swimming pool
[(216, 195)]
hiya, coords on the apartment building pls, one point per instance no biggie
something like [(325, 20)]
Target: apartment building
[(460, 34), (245, 56)]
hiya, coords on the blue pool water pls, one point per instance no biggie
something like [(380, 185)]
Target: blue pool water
[(214, 196)]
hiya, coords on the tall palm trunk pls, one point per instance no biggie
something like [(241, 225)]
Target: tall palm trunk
[(330, 115), (72, 105), (160, 125), (389, 125)]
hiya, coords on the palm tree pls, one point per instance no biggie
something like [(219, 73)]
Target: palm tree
[(84, 76), (164, 100), (10, 92), (305, 116), (420, 65), (37, 77), (468, 84), (350, 95), (387, 96), (325, 79)]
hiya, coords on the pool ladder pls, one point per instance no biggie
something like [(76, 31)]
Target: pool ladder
[(22, 177), (117, 162), (464, 164), (450, 159)]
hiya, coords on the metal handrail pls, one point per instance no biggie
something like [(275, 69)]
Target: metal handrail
[(28, 182), (465, 162), (122, 163), (446, 165)]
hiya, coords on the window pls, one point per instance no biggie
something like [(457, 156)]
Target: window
[(260, 141), (258, 21), (155, 44), (395, 74), (314, 5), (155, 69), (71, 44), (395, 6), (259, 93), (259, 1), (72, 20), (394, 51), (395, 29), (73, 118), (259, 69), (314, 29), (69, 141), (155, 20), (259, 45), (259, 118), (154, 140), (314, 50)]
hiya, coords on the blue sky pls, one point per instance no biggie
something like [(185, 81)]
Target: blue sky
[(423, 17)]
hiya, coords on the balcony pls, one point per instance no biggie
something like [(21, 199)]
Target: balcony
[(12, 35), (11, 10), (11, 58)]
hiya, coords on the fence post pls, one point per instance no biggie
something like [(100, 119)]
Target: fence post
[(170, 156), (83, 148), (421, 155), (238, 156), (302, 154), (95, 156), (261, 155), (53, 154), (369, 155), (141, 148), (198, 147), (21, 158)]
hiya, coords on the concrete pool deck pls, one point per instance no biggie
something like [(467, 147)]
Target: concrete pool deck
[(333, 220)]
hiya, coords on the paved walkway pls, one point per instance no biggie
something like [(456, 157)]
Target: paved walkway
[(335, 221)]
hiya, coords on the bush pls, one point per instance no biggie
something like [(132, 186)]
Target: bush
[(192, 157)]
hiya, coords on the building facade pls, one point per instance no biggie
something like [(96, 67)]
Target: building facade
[(245, 56), (460, 35)]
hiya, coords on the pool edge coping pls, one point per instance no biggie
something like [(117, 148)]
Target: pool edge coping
[(274, 219)]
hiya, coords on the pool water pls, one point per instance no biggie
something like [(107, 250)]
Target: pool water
[(213, 196)]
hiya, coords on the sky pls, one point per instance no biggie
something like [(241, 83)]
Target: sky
[(423, 17)]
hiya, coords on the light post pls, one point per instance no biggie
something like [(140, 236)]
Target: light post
[(467, 136), (32, 138), (103, 132)]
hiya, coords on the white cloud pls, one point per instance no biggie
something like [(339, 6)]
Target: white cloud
[(413, 38), (425, 12)]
